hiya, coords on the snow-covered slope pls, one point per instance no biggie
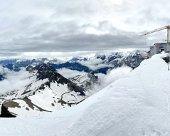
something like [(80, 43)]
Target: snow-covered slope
[(41, 88), (137, 105), (83, 79)]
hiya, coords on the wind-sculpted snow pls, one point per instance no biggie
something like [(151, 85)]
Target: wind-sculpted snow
[(136, 105)]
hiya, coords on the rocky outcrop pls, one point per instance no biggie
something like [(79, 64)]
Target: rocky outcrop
[(5, 113)]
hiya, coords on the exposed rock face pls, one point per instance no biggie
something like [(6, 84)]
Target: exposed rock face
[(5, 112), (119, 59), (85, 81), (133, 60), (8, 106), (166, 59)]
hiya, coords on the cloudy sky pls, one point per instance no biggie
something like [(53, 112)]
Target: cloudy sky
[(79, 25)]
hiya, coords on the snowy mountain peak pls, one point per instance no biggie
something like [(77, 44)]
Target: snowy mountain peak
[(45, 71)]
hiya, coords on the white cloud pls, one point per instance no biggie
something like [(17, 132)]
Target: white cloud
[(15, 81), (35, 24), (115, 74)]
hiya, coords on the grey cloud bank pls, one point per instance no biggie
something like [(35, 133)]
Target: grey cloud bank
[(79, 25)]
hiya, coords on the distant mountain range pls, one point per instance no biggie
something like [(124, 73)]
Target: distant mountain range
[(101, 63), (47, 84)]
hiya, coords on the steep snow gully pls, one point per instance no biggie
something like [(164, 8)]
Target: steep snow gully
[(137, 105)]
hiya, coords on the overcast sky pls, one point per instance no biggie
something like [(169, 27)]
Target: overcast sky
[(78, 25)]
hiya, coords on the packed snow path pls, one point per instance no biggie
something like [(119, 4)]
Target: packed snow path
[(138, 105)]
